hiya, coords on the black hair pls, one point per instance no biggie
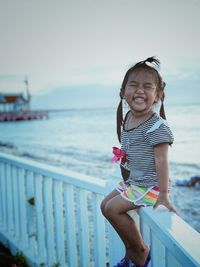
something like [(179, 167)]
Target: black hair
[(151, 64)]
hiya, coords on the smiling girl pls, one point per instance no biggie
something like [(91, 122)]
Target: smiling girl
[(145, 137)]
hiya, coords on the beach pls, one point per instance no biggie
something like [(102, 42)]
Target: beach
[(82, 139)]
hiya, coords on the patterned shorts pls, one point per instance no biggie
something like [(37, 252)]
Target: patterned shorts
[(139, 196)]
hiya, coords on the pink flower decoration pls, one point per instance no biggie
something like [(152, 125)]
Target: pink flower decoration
[(120, 155)]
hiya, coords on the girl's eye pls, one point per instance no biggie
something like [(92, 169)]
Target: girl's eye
[(147, 87), (133, 84)]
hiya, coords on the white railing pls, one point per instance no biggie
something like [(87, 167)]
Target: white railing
[(53, 217)]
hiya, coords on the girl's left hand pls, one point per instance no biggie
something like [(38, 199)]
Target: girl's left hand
[(164, 200)]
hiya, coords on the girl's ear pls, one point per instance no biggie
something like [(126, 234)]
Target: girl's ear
[(158, 97)]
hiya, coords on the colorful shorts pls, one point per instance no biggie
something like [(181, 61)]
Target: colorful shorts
[(139, 196)]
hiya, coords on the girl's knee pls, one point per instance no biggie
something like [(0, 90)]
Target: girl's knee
[(103, 206), (108, 204), (109, 210)]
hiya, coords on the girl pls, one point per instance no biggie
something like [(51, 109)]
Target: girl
[(145, 137)]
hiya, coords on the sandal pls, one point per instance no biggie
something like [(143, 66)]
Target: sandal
[(125, 263), (148, 259), (146, 262), (129, 263)]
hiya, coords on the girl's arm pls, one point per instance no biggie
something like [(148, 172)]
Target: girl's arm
[(162, 170)]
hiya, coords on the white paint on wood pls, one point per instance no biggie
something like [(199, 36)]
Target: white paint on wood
[(82, 224), (116, 247), (3, 207), (146, 234), (29, 184), (59, 222), (170, 228), (41, 248), (9, 187), (49, 221), (99, 233), (70, 229), (22, 211), (171, 261), (87, 182), (158, 257), (16, 203)]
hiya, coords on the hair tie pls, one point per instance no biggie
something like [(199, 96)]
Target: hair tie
[(162, 110), (119, 119), (163, 97)]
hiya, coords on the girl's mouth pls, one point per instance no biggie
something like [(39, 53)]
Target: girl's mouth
[(139, 100)]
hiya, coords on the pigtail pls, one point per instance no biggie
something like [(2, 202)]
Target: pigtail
[(162, 109), (119, 118)]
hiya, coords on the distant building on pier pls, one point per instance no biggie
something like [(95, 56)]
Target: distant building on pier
[(14, 107)]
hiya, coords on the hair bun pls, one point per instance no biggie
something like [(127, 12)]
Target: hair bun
[(153, 60)]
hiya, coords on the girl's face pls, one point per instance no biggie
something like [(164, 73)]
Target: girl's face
[(140, 91)]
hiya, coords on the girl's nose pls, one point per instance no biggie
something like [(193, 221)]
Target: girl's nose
[(140, 89)]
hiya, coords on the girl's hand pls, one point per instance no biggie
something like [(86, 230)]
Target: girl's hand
[(163, 199)]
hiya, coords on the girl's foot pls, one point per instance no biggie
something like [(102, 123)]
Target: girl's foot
[(125, 263), (148, 259), (142, 259)]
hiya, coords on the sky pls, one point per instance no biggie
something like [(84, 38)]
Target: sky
[(62, 44)]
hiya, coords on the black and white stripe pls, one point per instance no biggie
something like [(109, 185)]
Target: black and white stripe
[(138, 144)]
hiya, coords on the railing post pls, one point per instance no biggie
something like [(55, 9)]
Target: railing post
[(99, 228), (22, 205), (116, 246), (41, 249), (30, 211)]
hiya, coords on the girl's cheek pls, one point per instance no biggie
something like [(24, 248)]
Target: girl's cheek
[(128, 94)]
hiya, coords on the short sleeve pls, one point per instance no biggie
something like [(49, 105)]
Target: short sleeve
[(160, 133)]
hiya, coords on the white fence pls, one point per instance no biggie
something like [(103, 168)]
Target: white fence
[(53, 217)]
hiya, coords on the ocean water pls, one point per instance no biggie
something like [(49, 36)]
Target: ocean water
[(82, 140)]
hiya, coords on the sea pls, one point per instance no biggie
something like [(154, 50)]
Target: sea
[(82, 139)]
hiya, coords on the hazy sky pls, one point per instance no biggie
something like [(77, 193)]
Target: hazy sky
[(62, 43)]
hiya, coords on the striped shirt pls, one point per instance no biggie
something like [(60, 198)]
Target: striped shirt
[(138, 144)]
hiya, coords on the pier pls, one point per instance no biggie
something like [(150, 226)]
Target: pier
[(23, 115), (16, 107), (53, 216)]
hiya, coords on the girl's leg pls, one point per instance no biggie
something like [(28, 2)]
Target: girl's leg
[(113, 194), (115, 210)]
